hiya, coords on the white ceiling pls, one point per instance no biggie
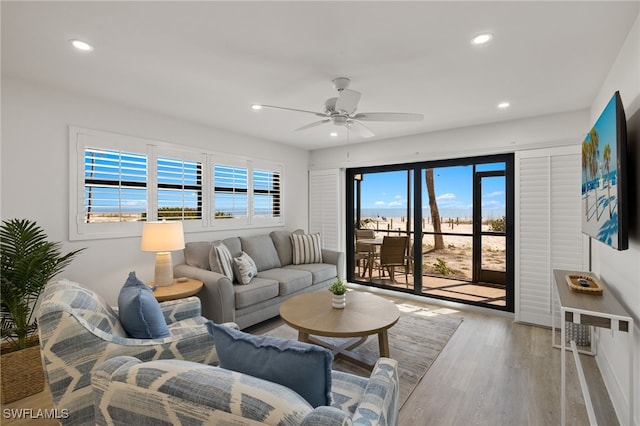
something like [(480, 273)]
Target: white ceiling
[(207, 62)]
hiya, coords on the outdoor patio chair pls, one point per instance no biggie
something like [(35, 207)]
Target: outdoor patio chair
[(363, 251), (393, 253)]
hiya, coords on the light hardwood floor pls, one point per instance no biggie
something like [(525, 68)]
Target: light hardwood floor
[(492, 372)]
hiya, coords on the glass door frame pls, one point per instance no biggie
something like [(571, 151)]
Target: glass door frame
[(416, 168)]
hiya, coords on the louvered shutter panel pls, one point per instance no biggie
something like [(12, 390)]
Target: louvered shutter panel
[(324, 207), (549, 234)]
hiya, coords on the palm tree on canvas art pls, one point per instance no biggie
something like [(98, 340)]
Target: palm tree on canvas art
[(585, 168), (593, 161), (606, 158)]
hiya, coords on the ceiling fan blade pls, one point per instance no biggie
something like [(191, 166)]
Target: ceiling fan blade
[(347, 101), (259, 106), (360, 129), (314, 124), (388, 116)]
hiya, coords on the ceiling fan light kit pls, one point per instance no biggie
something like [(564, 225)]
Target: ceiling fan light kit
[(341, 111)]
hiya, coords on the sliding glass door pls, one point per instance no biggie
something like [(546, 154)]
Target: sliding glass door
[(457, 220)]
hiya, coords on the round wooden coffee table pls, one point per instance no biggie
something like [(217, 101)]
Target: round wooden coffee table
[(365, 314)]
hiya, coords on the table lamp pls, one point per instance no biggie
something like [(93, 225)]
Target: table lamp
[(162, 237)]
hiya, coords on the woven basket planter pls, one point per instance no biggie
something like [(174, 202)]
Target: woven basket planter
[(22, 374)]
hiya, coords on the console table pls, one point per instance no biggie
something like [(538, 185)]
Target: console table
[(602, 311)]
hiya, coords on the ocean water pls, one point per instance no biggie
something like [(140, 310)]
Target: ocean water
[(426, 213)]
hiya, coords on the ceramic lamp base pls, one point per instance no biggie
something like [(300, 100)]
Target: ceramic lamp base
[(163, 274)]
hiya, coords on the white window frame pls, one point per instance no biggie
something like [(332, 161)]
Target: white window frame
[(272, 168), (231, 222), (81, 138), (166, 151)]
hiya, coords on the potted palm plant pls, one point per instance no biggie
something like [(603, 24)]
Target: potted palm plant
[(29, 262), (338, 289)]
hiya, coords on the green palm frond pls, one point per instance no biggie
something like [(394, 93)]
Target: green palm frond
[(28, 263)]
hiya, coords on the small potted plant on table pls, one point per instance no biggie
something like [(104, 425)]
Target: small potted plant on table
[(338, 289)]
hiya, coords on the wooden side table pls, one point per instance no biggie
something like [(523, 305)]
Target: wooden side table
[(177, 290)]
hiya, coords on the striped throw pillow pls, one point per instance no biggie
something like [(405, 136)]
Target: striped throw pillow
[(225, 260), (306, 248)]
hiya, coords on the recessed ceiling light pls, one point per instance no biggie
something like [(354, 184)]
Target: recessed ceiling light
[(503, 105), (481, 39), (333, 134), (81, 45), (256, 107)]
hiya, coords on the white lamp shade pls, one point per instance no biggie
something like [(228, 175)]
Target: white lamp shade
[(162, 236)]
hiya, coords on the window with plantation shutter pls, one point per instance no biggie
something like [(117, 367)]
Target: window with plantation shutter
[(119, 181), (179, 189), (266, 194), (115, 186), (230, 194)]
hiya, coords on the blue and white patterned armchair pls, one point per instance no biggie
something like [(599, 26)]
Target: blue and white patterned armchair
[(79, 331), (169, 392)]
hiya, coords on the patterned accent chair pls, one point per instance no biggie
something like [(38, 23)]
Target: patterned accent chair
[(168, 392), (79, 331)]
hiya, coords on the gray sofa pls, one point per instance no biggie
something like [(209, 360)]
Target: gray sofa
[(277, 280)]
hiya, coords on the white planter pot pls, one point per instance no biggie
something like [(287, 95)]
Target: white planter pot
[(338, 301)]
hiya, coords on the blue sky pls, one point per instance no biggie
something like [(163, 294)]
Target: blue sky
[(453, 186), (606, 127)]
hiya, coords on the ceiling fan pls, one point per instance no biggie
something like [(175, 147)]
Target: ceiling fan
[(341, 111)]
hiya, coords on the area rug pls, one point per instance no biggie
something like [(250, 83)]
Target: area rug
[(415, 342)]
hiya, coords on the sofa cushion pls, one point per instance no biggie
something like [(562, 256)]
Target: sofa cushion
[(258, 290), (306, 248), (282, 242), (197, 254), (140, 313), (244, 268), (234, 246), (301, 367), (290, 280), (262, 251), (319, 271)]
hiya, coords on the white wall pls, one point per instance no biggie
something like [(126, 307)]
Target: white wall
[(35, 169), (537, 132), (620, 270)]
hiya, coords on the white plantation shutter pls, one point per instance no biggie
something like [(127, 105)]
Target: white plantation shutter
[(179, 189), (118, 181), (324, 207), (115, 185), (267, 193), (548, 227), (230, 181)]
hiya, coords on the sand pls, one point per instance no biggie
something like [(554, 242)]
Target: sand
[(455, 260)]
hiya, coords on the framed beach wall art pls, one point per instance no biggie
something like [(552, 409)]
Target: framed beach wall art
[(604, 178)]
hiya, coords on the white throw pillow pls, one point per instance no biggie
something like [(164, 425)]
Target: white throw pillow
[(245, 268), (306, 248)]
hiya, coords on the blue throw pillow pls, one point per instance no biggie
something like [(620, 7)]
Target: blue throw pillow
[(302, 367), (140, 313)]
